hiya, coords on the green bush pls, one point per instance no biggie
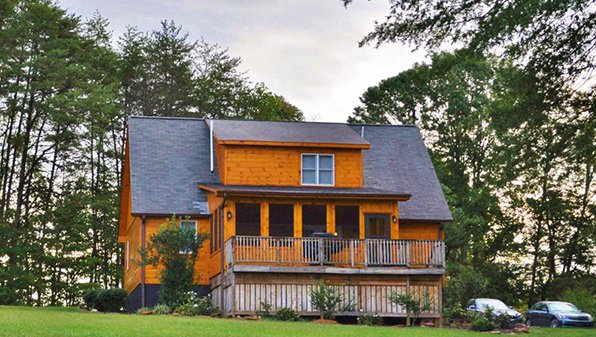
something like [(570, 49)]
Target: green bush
[(111, 300), (91, 297), (187, 310), (286, 314), (455, 312), (482, 324), (161, 309), (414, 305), (194, 305), (164, 247), (326, 299), (105, 300), (370, 319), (265, 310)]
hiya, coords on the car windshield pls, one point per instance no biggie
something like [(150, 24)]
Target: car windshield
[(494, 304), (562, 307)]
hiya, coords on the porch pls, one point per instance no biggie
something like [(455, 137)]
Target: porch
[(334, 255)]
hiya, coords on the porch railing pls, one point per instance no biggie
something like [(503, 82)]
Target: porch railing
[(334, 252)]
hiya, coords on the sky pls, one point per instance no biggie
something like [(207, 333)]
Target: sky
[(304, 50)]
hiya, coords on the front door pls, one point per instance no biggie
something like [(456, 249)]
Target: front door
[(377, 226), (377, 229)]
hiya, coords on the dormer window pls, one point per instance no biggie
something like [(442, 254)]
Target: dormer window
[(318, 169)]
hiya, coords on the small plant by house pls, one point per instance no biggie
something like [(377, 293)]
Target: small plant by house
[(105, 300), (195, 305), (265, 310), (326, 299), (482, 323), (369, 319), (414, 305), (176, 249), (286, 314), (162, 309)]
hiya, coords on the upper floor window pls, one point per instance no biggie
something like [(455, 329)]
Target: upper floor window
[(318, 169)]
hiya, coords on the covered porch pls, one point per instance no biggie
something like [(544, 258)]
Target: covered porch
[(318, 253)]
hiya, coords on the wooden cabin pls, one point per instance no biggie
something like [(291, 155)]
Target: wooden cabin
[(267, 192)]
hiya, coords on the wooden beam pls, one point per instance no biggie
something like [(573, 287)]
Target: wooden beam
[(338, 270)]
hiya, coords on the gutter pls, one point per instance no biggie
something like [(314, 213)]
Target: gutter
[(221, 256), (143, 233)]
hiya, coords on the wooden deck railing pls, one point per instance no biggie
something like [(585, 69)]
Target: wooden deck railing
[(334, 252)]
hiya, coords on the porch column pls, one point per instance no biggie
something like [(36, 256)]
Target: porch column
[(330, 218), (297, 220), (264, 218)]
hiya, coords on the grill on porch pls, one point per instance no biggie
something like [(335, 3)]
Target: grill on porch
[(354, 253)]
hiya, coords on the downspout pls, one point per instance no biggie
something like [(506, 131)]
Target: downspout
[(362, 132), (222, 261), (143, 232), (211, 164)]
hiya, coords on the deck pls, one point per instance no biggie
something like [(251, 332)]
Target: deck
[(333, 255), (282, 272)]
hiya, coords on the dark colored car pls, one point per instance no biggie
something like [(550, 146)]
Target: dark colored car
[(555, 314), (479, 305)]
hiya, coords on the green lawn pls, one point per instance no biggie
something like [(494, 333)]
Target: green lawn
[(26, 321)]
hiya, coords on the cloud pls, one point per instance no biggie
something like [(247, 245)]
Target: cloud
[(306, 51)]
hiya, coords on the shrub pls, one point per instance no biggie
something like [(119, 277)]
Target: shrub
[(187, 309), (106, 300), (111, 300), (286, 314), (454, 312), (482, 324), (414, 305), (326, 299), (370, 319), (162, 309), (177, 250), (265, 310), (194, 305), (91, 297)]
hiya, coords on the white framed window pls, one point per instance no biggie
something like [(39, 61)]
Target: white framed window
[(127, 253), (318, 169), (188, 225)]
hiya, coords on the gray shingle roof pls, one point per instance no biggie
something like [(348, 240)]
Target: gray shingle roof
[(167, 157), (398, 160), (291, 132)]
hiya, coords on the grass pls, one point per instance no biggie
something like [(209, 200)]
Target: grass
[(27, 321)]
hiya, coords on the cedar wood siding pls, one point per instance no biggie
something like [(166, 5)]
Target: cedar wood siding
[(132, 274), (366, 206), (281, 166), (420, 230)]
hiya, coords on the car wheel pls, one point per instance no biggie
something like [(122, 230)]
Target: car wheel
[(554, 323), (528, 323)]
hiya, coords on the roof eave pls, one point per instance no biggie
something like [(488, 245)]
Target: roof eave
[(362, 146), (316, 195)]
